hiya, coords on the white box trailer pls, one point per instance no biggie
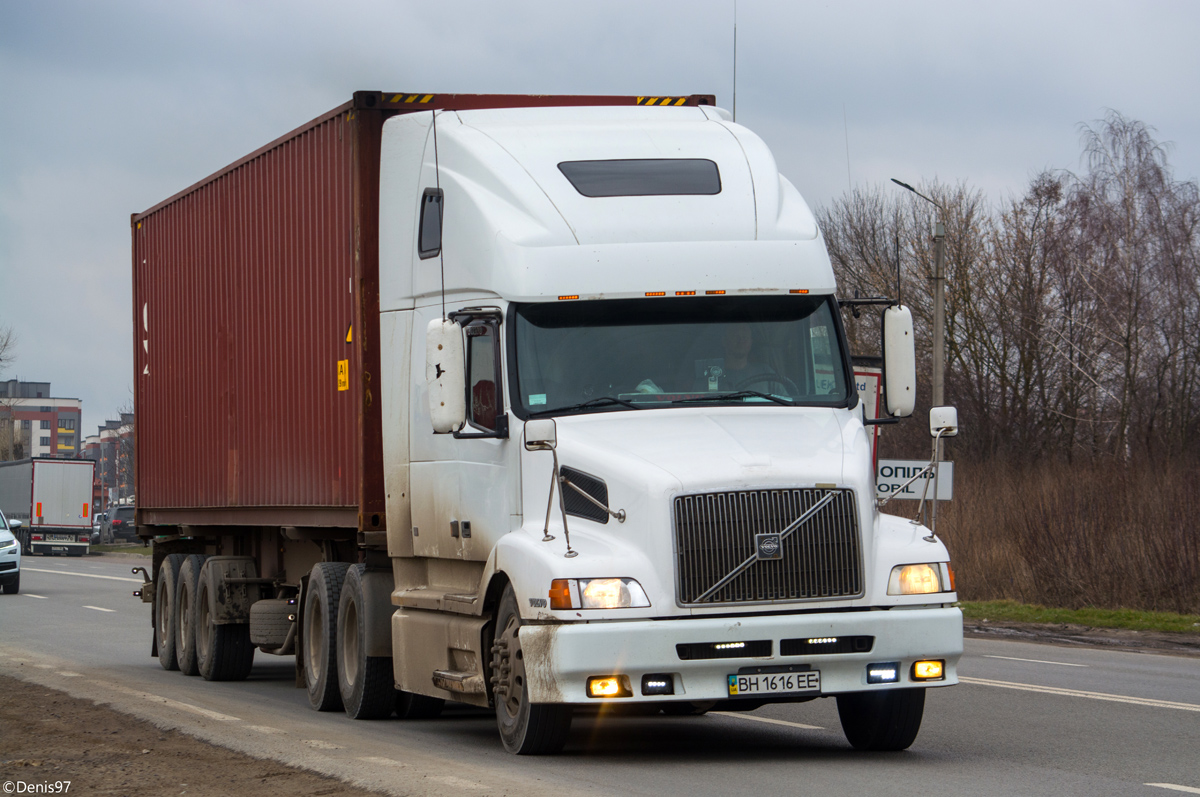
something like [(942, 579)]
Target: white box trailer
[(52, 498), (600, 433)]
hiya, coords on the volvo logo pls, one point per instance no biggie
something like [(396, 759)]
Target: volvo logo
[(769, 546)]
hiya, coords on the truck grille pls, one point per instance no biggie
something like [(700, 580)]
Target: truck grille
[(715, 533)]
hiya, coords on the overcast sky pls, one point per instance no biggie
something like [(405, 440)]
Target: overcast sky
[(106, 108)]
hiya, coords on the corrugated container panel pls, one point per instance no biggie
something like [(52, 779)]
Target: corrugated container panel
[(244, 293)]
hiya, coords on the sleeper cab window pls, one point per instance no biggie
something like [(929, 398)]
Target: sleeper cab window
[(429, 232)]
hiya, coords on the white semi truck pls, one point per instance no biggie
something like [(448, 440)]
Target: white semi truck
[(533, 403)]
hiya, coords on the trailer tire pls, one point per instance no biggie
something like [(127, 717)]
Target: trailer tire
[(165, 617), (223, 652), (14, 586), (884, 720), (320, 634), (525, 728), (185, 616), (366, 683)]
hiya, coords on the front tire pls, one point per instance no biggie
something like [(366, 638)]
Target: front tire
[(165, 616), (883, 720), (320, 634), (223, 652), (525, 728), (366, 683), (14, 586)]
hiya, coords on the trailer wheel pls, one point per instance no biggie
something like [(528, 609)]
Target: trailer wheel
[(223, 652), (885, 720), (366, 683), (320, 634), (185, 614), (165, 617), (525, 728)]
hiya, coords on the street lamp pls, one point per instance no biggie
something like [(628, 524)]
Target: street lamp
[(939, 302)]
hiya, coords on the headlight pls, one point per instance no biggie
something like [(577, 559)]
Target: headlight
[(6, 546), (597, 593), (921, 579)]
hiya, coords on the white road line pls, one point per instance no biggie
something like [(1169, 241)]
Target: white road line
[(265, 729), (39, 597), (82, 575), (1035, 661), (1054, 690), (752, 718), (1174, 787), (66, 674), (387, 762), (100, 609), (322, 745), (166, 701)]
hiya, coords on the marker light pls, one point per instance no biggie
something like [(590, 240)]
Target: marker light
[(798, 290), (656, 293), (884, 673), (608, 686), (685, 293), (566, 298), (714, 293), (928, 671), (659, 683), (914, 580), (729, 645), (824, 640), (560, 594)]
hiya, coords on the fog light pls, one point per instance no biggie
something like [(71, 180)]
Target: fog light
[(608, 686), (887, 672), (659, 683), (928, 671)]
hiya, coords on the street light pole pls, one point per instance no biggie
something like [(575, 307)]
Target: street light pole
[(938, 391)]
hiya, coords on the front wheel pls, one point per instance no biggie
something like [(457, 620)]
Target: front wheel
[(883, 720), (14, 586), (525, 728)]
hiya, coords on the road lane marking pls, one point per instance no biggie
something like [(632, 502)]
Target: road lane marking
[(166, 701), (66, 674), (39, 597), (1035, 661), (387, 762), (1054, 690), (83, 575), (265, 729), (321, 745), (1174, 787), (752, 718), (100, 608)]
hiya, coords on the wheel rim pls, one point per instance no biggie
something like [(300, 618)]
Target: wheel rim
[(314, 630), (185, 615), (510, 671), (348, 633), (164, 616), (203, 626)]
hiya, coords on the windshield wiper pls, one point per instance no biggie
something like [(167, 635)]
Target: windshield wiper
[(600, 401), (739, 394)]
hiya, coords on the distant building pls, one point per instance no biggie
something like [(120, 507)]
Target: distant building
[(112, 449), (44, 425)]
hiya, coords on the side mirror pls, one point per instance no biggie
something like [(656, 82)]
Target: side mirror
[(899, 362), (944, 420), (445, 375), (14, 524), (541, 435)]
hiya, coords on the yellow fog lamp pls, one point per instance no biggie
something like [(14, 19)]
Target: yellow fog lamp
[(929, 670), (608, 686), (915, 579)]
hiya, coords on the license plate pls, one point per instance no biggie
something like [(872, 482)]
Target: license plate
[(59, 538), (58, 548), (775, 683)]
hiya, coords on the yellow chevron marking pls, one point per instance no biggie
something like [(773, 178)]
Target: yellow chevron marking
[(652, 100), (410, 98), (681, 101), (427, 98), (397, 98), (640, 100)]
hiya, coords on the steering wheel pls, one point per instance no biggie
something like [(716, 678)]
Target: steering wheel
[(769, 379)]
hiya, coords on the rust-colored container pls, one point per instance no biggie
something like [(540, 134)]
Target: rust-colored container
[(256, 317)]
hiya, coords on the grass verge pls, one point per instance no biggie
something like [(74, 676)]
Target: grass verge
[(137, 550), (1130, 619)]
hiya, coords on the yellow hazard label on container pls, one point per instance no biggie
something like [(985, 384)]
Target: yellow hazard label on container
[(350, 334), (343, 374)]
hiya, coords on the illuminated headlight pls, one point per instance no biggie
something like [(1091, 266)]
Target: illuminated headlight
[(597, 593), (921, 579)]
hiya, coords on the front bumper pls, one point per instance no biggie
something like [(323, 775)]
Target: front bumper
[(559, 658)]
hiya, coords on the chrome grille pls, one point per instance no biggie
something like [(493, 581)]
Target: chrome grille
[(714, 534)]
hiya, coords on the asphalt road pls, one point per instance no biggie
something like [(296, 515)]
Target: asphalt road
[(1027, 719)]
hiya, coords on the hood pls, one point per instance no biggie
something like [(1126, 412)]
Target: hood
[(695, 449)]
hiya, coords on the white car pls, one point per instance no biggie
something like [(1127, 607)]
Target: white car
[(10, 556)]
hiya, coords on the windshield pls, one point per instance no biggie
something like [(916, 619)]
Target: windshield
[(642, 354)]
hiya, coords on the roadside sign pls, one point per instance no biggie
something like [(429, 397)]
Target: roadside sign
[(890, 474), (868, 380)]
